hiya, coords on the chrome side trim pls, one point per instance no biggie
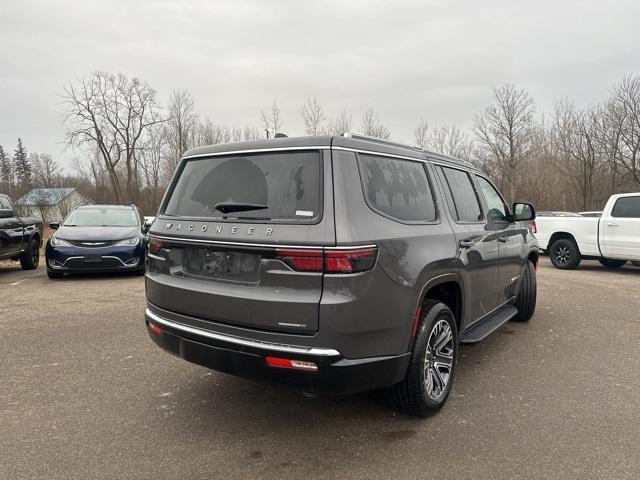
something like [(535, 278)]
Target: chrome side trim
[(259, 150), (279, 347), (261, 245), (156, 257)]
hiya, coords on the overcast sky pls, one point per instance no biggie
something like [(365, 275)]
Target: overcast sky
[(410, 59)]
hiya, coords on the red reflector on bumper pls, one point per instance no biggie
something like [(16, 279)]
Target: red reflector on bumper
[(288, 363), (155, 328)]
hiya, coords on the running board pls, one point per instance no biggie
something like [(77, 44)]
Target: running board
[(486, 327)]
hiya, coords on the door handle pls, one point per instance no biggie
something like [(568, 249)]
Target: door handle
[(503, 239), (612, 224), (466, 243)]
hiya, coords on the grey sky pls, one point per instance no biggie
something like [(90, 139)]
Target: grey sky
[(411, 59)]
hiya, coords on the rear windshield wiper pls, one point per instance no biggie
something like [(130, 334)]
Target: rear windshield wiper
[(230, 207)]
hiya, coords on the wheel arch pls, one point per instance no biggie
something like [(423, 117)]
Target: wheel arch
[(560, 236), (448, 289)]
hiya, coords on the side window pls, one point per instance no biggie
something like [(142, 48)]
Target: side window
[(397, 188), (464, 196), (447, 193), (627, 207), (496, 209)]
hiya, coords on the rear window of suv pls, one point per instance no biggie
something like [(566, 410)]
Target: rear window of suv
[(287, 183)]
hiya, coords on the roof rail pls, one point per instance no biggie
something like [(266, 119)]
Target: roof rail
[(414, 148), (382, 141)]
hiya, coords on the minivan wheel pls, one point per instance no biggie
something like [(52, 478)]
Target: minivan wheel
[(564, 254), (609, 263), (526, 300), (53, 274), (430, 375)]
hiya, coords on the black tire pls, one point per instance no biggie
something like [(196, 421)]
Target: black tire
[(30, 258), (564, 254), (419, 396), (609, 263), (54, 275), (141, 271), (526, 300)]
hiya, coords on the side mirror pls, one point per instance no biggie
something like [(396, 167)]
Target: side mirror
[(6, 213), (523, 212), (54, 225)]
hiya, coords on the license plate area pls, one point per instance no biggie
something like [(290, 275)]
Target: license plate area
[(221, 264), (93, 259)]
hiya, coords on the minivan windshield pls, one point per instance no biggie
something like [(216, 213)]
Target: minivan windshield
[(274, 186), (102, 217)]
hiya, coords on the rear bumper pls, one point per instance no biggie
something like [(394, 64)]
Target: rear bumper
[(247, 358)]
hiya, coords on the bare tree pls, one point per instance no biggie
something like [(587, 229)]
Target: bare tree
[(624, 105), (272, 120), (421, 134), (46, 171), (313, 116), (452, 141), (342, 124), (576, 134), (181, 124), (6, 172), (505, 133), (111, 112), (372, 126)]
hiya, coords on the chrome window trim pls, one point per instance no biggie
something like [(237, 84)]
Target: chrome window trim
[(278, 347), (260, 245)]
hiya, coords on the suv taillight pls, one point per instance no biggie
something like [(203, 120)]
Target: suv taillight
[(334, 260), (155, 245), (534, 227)]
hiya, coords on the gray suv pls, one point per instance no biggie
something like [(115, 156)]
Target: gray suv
[(336, 264)]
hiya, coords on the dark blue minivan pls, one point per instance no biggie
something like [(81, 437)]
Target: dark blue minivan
[(97, 238)]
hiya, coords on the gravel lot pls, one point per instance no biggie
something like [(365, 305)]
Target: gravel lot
[(85, 394)]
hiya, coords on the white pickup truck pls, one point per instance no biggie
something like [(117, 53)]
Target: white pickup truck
[(613, 238)]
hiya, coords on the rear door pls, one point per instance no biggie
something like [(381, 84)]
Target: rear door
[(477, 246), (620, 237), (511, 239), (258, 262)]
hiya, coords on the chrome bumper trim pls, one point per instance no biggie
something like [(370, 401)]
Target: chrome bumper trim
[(278, 347)]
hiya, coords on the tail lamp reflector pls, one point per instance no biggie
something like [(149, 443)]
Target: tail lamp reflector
[(155, 245), (289, 363), (335, 260), (534, 227), (155, 328)]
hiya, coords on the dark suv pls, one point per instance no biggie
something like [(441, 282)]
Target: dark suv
[(338, 264)]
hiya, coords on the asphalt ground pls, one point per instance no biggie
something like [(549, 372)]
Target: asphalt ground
[(84, 393)]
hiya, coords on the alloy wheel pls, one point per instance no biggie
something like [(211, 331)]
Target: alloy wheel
[(35, 253), (562, 255), (438, 359)]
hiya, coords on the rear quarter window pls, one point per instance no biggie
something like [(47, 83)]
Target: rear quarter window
[(397, 188), (288, 183)]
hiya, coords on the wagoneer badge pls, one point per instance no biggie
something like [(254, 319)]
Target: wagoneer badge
[(233, 230)]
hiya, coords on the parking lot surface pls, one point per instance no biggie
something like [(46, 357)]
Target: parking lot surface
[(85, 394)]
